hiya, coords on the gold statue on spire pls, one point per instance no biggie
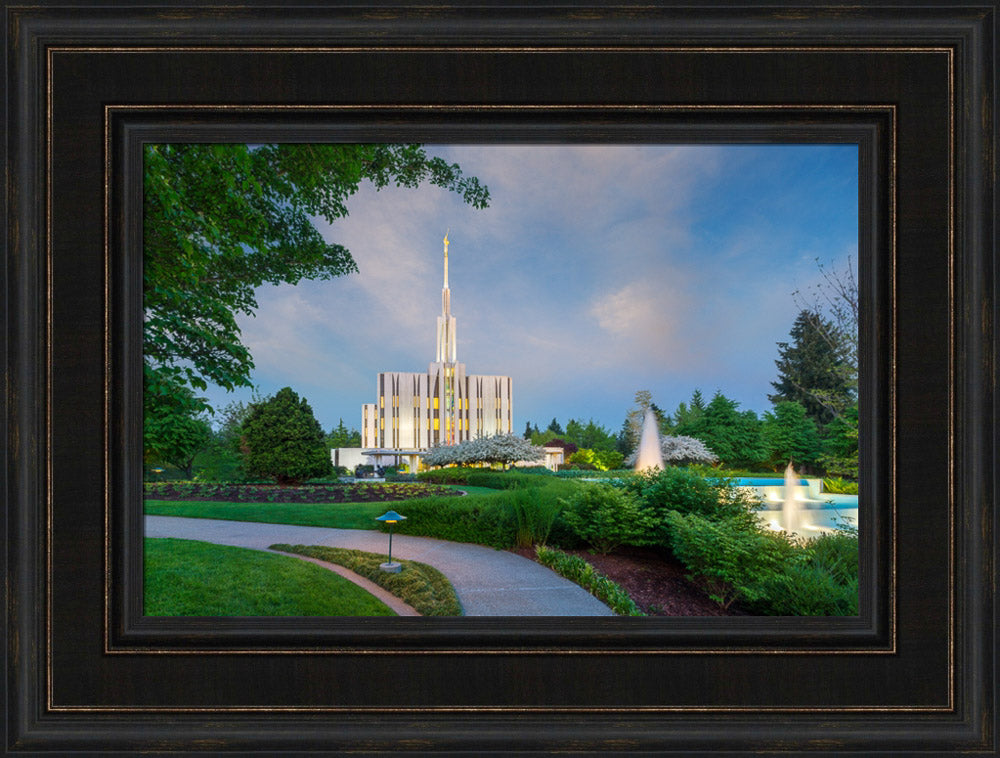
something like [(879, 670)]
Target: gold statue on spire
[(446, 241)]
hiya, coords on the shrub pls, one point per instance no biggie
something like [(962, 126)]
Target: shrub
[(578, 570), (839, 486), (726, 557), (683, 491), (805, 589), (533, 515), (607, 517), (484, 520)]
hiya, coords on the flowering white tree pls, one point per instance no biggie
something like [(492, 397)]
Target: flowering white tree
[(500, 448), (681, 449)]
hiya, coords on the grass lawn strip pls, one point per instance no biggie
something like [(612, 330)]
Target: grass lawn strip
[(422, 587), (335, 515), (193, 578), (577, 570), (393, 602)]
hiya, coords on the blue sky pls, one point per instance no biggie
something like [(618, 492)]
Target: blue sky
[(596, 271)]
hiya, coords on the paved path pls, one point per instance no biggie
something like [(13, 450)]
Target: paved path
[(488, 582)]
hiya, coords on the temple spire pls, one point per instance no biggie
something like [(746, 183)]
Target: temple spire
[(446, 344), (446, 258)]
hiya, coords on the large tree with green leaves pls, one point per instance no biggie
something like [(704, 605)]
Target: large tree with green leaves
[(175, 431), (282, 439), (812, 371), (220, 220)]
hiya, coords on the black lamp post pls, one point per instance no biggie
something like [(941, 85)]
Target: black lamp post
[(390, 518)]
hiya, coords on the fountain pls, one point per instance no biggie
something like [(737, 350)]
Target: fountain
[(790, 508), (650, 456)]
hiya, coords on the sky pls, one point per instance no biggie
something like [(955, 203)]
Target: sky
[(595, 272)]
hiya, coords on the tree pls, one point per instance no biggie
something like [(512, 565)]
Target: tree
[(175, 432), (634, 419), (811, 370), (554, 427), (840, 445), (499, 448), (282, 439), (790, 435), (220, 220), (732, 435), (341, 436), (680, 450), (590, 435), (527, 430)]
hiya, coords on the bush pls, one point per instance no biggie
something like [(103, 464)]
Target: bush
[(533, 514), (685, 492), (484, 520), (836, 485), (578, 570), (725, 557), (607, 517), (805, 589)]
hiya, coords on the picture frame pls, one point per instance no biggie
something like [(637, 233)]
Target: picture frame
[(86, 671)]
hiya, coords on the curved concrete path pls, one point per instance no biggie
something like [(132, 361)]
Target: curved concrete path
[(488, 582)]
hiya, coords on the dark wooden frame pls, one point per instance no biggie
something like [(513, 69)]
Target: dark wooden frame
[(913, 86)]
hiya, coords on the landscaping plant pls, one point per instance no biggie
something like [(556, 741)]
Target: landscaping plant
[(607, 517), (578, 570)]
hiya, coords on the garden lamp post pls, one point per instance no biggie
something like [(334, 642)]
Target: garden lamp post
[(390, 518)]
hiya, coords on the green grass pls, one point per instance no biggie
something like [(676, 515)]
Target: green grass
[(420, 586), (191, 578), (338, 515)]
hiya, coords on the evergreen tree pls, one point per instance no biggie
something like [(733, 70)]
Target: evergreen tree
[(840, 445), (338, 436), (811, 370), (554, 427), (790, 435), (527, 430), (686, 416), (734, 436), (282, 439)]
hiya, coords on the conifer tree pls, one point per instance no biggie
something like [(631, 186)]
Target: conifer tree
[(283, 440), (811, 371)]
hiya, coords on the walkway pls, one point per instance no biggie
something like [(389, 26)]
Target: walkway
[(488, 582)]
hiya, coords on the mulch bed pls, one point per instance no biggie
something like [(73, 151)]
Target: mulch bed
[(654, 581), (309, 493)]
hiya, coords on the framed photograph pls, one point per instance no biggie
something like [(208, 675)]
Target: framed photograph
[(97, 94)]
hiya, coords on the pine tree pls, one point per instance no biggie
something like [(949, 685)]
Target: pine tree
[(811, 370), (554, 426)]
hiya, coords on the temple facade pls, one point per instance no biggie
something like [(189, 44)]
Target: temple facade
[(414, 412)]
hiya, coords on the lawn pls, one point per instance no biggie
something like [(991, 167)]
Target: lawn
[(190, 578), (336, 515)]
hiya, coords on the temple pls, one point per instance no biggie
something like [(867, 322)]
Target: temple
[(414, 412)]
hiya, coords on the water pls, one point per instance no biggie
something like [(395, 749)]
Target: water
[(650, 456)]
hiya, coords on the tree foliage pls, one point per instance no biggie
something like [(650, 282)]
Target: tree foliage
[(221, 220), (790, 435), (499, 448), (733, 435), (281, 438), (811, 370), (175, 431), (341, 436), (680, 450)]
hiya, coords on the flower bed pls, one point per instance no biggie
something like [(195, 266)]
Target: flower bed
[(317, 493)]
